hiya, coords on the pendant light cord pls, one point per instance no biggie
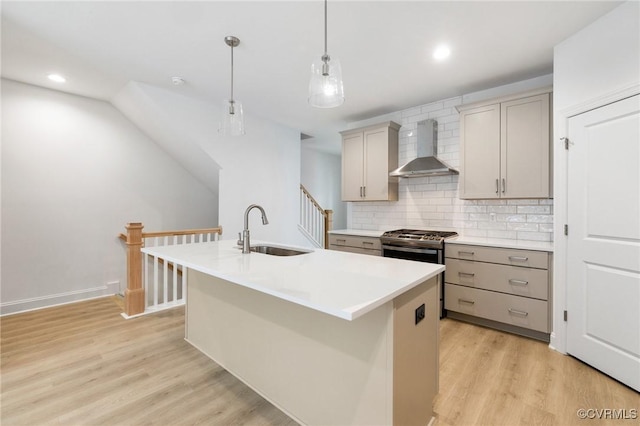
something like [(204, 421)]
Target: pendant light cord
[(232, 74), (325, 27)]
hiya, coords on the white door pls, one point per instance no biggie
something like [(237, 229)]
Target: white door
[(603, 254)]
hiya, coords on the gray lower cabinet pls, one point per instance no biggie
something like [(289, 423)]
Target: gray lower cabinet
[(355, 244), (502, 288)]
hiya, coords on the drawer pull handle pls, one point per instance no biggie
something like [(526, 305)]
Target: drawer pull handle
[(465, 253), (516, 312), (468, 302), (367, 242), (518, 258), (466, 274), (518, 282), (338, 240)]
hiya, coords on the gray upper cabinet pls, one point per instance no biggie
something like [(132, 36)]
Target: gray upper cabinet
[(505, 147), (368, 155)]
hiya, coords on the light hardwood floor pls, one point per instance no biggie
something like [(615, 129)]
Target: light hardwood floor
[(83, 364)]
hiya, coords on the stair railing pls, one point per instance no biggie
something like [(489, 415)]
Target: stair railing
[(315, 221), (153, 284)]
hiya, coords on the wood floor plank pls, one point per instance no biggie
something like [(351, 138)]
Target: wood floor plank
[(83, 364)]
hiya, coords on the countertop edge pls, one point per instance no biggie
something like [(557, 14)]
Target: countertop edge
[(358, 232), (546, 246)]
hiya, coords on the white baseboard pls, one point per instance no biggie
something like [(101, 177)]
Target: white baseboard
[(24, 305)]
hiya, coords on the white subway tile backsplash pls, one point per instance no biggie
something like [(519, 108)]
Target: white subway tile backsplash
[(479, 217), (411, 112), (433, 202), (501, 209), (535, 209), (474, 209), (522, 226), (540, 218), (435, 106), (511, 235), (511, 217)]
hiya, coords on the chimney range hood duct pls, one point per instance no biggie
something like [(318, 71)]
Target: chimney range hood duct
[(427, 164)]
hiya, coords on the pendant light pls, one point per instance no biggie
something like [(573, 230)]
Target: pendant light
[(325, 86), (232, 115)]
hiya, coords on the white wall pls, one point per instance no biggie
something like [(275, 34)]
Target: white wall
[(74, 172), (601, 58), (432, 202), (261, 167), (597, 65), (321, 174)]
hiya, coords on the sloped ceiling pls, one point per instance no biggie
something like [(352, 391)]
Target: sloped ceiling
[(385, 49)]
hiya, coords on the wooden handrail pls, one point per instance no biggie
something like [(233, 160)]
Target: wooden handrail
[(313, 200), (217, 230)]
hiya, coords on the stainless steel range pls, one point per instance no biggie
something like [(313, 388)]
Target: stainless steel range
[(419, 245)]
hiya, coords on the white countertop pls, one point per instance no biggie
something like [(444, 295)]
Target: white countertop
[(358, 232), (503, 243), (345, 285)]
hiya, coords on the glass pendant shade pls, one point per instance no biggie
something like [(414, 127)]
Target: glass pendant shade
[(232, 120), (325, 85)]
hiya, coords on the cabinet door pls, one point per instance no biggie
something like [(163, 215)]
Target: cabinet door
[(376, 164), (480, 152), (352, 167), (525, 148)]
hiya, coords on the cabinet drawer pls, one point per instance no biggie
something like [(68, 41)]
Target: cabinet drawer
[(527, 282), (367, 243), (505, 308), (528, 258)]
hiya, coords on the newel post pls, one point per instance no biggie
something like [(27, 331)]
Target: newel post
[(134, 294), (328, 225)]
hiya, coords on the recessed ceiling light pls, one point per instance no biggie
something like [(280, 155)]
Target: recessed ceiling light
[(442, 52), (57, 78)]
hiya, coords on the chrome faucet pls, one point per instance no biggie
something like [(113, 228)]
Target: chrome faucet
[(244, 239)]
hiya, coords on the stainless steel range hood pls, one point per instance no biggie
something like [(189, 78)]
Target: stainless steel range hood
[(427, 164)]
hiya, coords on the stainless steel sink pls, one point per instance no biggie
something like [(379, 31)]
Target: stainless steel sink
[(277, 251)]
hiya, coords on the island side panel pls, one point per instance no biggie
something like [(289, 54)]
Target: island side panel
[(416, 360), (317, 368)]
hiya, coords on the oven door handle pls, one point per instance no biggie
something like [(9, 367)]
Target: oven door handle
[(410, 249)]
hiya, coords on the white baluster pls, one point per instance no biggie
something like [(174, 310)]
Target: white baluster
[(146, 279), (175, 282), (155, 281), (165, 281)]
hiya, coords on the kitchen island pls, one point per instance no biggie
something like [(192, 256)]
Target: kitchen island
[(328, 337)]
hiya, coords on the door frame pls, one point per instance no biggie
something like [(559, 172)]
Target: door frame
[(558, 340)]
